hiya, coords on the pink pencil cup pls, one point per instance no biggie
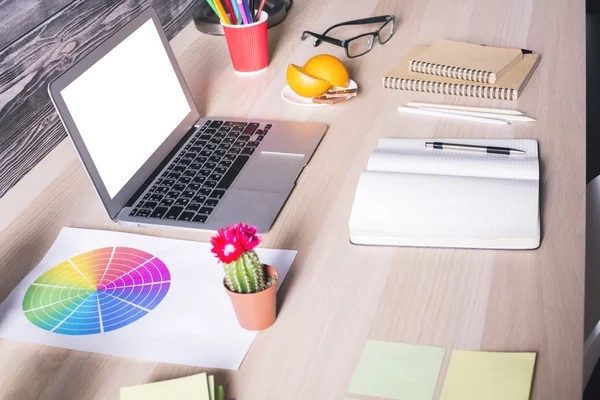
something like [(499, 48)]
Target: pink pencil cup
[(248, 45)]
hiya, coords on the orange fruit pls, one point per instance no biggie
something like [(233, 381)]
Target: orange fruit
[(305, 84), (328, 68)]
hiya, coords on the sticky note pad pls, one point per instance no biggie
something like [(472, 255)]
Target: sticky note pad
[(482, 375), (193, 387), (211, 387), (397, 370)]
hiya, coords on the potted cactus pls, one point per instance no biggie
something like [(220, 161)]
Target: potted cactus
[(251, 286)]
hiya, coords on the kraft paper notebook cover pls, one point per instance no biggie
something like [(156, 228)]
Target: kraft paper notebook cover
[(473, 62), (508, 87), (414, 196)]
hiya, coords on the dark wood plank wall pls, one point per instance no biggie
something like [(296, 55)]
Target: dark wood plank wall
[(20, 16), (37, 43)]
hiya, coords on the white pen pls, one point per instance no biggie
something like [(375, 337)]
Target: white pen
[(419, 111), (465, 108), (504, 117)]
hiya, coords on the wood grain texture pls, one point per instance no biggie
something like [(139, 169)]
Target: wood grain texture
[(29, 125), (336, 295), (21, 16)]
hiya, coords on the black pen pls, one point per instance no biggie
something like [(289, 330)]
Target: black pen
[(469, 147)]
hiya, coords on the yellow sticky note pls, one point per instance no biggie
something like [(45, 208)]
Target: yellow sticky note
[(193, 387), (482, 375), (397, 370)]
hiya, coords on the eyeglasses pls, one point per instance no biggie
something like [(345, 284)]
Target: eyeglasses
[(358, 45)]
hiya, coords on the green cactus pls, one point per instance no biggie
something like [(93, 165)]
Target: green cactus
[(245, 275)]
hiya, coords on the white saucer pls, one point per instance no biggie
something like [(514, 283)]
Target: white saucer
[(291, 97)]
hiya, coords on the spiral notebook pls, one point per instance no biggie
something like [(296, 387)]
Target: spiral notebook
[(466, 61), (509, 86), (414, 196)]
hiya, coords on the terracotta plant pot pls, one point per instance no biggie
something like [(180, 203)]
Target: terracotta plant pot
[(256, 311)]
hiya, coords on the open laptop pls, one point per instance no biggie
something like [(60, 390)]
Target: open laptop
[(151, 157)]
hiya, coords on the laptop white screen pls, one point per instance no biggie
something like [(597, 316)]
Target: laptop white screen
[(126, 105)]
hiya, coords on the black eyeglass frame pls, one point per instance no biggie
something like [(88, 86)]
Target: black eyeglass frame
[(345, 43)]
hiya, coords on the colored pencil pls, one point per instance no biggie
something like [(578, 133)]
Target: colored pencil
[(230, 11), (224, 16), (248, 13), (236, 10), (240, 4), (260, 8), (465, 108), (212, 5)]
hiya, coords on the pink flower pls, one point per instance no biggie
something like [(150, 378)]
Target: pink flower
[(226, 246), (231, 242), (247, 236)]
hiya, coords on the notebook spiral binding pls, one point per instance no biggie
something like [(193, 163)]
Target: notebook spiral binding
[(450, 88), (448, 71)]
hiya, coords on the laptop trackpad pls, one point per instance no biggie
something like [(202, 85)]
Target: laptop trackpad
[(272, 172)]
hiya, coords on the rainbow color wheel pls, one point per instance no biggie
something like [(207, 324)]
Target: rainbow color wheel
[(98, 291)]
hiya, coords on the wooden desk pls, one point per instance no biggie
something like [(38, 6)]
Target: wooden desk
[(337, 295)]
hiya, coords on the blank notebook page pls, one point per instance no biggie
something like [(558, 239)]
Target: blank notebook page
[(412, 195), (411, 156)]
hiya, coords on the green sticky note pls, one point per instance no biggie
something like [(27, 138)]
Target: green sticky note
[(211, 387), (193, 387), (482, 375), (397, 370)]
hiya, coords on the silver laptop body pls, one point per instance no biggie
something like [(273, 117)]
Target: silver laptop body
[(151, 157)]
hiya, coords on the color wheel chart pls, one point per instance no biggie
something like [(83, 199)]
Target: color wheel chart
[(96, 292)]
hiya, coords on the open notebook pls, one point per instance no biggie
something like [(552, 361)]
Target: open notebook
[(414, 196)]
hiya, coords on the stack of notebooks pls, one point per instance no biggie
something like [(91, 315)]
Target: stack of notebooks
[(464, 69), (411, 195)]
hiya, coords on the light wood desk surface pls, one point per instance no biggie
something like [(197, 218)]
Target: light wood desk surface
[(337, 295)]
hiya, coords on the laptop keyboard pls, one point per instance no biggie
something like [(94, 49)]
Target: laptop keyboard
[(197, 179)]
